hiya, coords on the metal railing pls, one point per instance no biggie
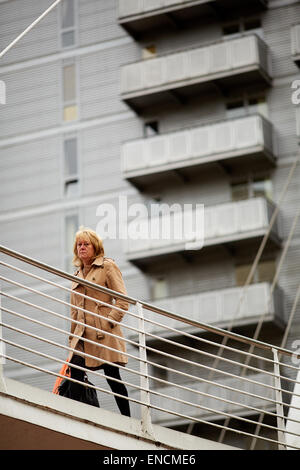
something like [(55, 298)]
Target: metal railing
[(169, 381)]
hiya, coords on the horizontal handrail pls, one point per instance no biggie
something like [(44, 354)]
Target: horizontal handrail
[(135, 357), (146, 305), (138, 387), (181, 415), (132, 328), (196, 379), (63, 274), (167, 327), (147, 347), (268, 394), (174, 398), (161, 338), (130, 341)]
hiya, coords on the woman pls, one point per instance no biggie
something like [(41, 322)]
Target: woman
[(93, 266)]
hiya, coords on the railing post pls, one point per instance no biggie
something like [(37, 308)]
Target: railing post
[(279, 402), (2, 351), (146, 423)]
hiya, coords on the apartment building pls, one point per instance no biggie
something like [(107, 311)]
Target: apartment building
[(159, 102)]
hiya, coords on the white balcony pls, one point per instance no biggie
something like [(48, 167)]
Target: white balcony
[(181, 75), (295, 43), (132, 8), (141, 16), (220, 308), (246, 141), (228, 224)]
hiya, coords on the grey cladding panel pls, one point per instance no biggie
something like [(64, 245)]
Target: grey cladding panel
[(33, 100), (277, 25), (39, 237), (101, 148), (31, 174), (97, 22), (100, 81)]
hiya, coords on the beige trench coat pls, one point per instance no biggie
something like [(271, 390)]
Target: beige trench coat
[(104, 272)]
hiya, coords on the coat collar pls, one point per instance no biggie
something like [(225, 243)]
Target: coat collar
[(99, 261)]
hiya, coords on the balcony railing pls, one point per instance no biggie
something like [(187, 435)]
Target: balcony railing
[(295, 43), (191, 397), (227, 62), (194, 391), (143, 7), (222, 307), (243, 141), (224, 223), (141, 16)]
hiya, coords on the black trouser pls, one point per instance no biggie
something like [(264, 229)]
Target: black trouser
[(76, 390), (110, 371)]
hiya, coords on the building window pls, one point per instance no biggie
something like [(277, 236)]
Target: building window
[(243, 25), (262, 188), (265, 272), (231, 28), (246, 106), (239, 191), (257, 105), (68, 23), (70, 228), (150, 128), (253, 187), (241, 274), (71, 177), (235, 109), (149, 51), (159, 288), (70, 108), (252, 24)]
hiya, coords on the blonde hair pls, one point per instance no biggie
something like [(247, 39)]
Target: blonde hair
[(86, 233)]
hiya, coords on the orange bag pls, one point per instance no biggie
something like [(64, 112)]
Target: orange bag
[(63, 371)]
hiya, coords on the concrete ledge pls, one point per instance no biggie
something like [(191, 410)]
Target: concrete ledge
[(41, 413)]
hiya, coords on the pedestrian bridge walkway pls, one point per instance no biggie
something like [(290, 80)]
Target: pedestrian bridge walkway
[(31, 418)]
